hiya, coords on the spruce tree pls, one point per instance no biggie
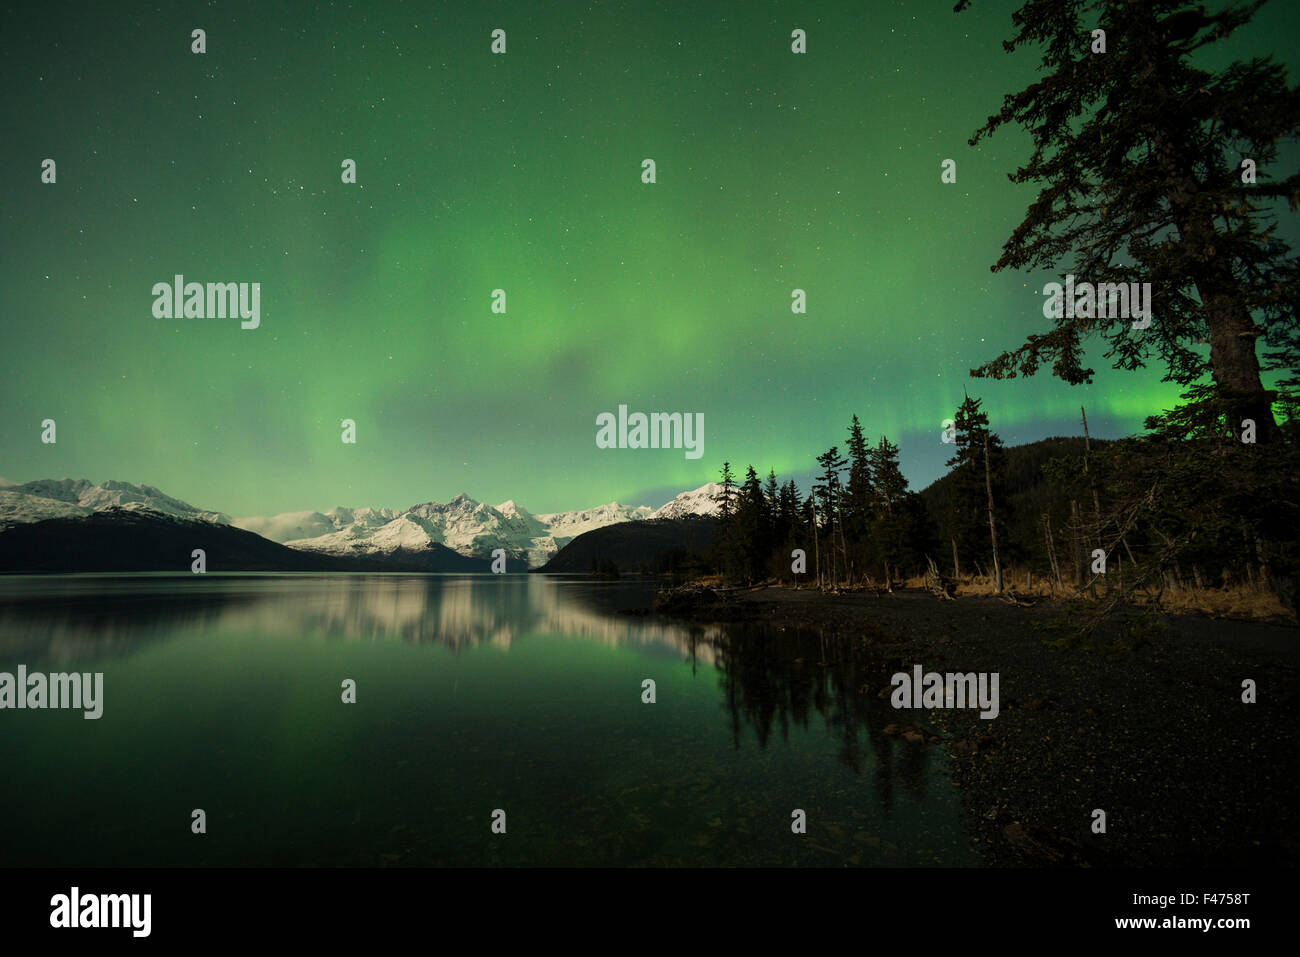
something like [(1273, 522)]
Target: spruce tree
[(727, 547), (726, 496), (771, 492), (827, 494), (891, 516), (968, 502), (857, 498), (788, 530), (808, 520), (751, 543), (1157, 170)]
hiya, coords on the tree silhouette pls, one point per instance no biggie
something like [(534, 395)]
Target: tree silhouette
[(1141, 155)]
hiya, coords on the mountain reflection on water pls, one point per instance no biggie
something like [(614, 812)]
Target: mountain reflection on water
[(746, 716)]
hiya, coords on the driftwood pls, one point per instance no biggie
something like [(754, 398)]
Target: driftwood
[(1011, 598), (936, 583)]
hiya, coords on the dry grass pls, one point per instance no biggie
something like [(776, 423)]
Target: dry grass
[(1233, 601), (709, 581), (983, 585)]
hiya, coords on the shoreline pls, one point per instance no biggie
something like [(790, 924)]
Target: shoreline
[(1148, 726)]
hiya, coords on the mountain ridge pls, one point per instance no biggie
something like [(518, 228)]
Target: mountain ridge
[(142, 539), (463, 525)]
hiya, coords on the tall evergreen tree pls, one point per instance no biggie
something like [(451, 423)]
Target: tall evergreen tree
[(887, 480), (726, 496), (788, 531), (751, 527), (728, 548), (1148, 165), (827, 493), (968, 505), (896, 530), (857, 497), (808, 521), (773, 534), (771, 491)]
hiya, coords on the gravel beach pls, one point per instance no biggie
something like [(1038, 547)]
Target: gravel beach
[(1146, 724)]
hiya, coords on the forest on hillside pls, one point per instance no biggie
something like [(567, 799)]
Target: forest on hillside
[(1107, 518), (1153, 172)]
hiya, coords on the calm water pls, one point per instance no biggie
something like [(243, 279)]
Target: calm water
[(473, 693)]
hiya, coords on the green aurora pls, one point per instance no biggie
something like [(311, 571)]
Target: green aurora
[(522, 172)]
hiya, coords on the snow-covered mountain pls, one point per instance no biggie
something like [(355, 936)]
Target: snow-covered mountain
[(566, 526), (292, 526), (471, 528), (698, 501), (17, 508), (59, 498), (464, 525)]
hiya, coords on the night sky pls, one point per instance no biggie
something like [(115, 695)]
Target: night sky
[(521, 171)]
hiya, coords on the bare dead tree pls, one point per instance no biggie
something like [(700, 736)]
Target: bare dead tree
[(993, 529)]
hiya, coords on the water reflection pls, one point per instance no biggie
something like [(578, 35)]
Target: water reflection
[(772, 679), (63, 618), (751, 722)]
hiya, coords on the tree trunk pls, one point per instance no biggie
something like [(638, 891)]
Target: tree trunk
[(817, 551), (1262, 557), (1051, 549), (844, 547), (1080, 579), (830, 517), (1096, 502), (993, 531), (1233, 362)]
